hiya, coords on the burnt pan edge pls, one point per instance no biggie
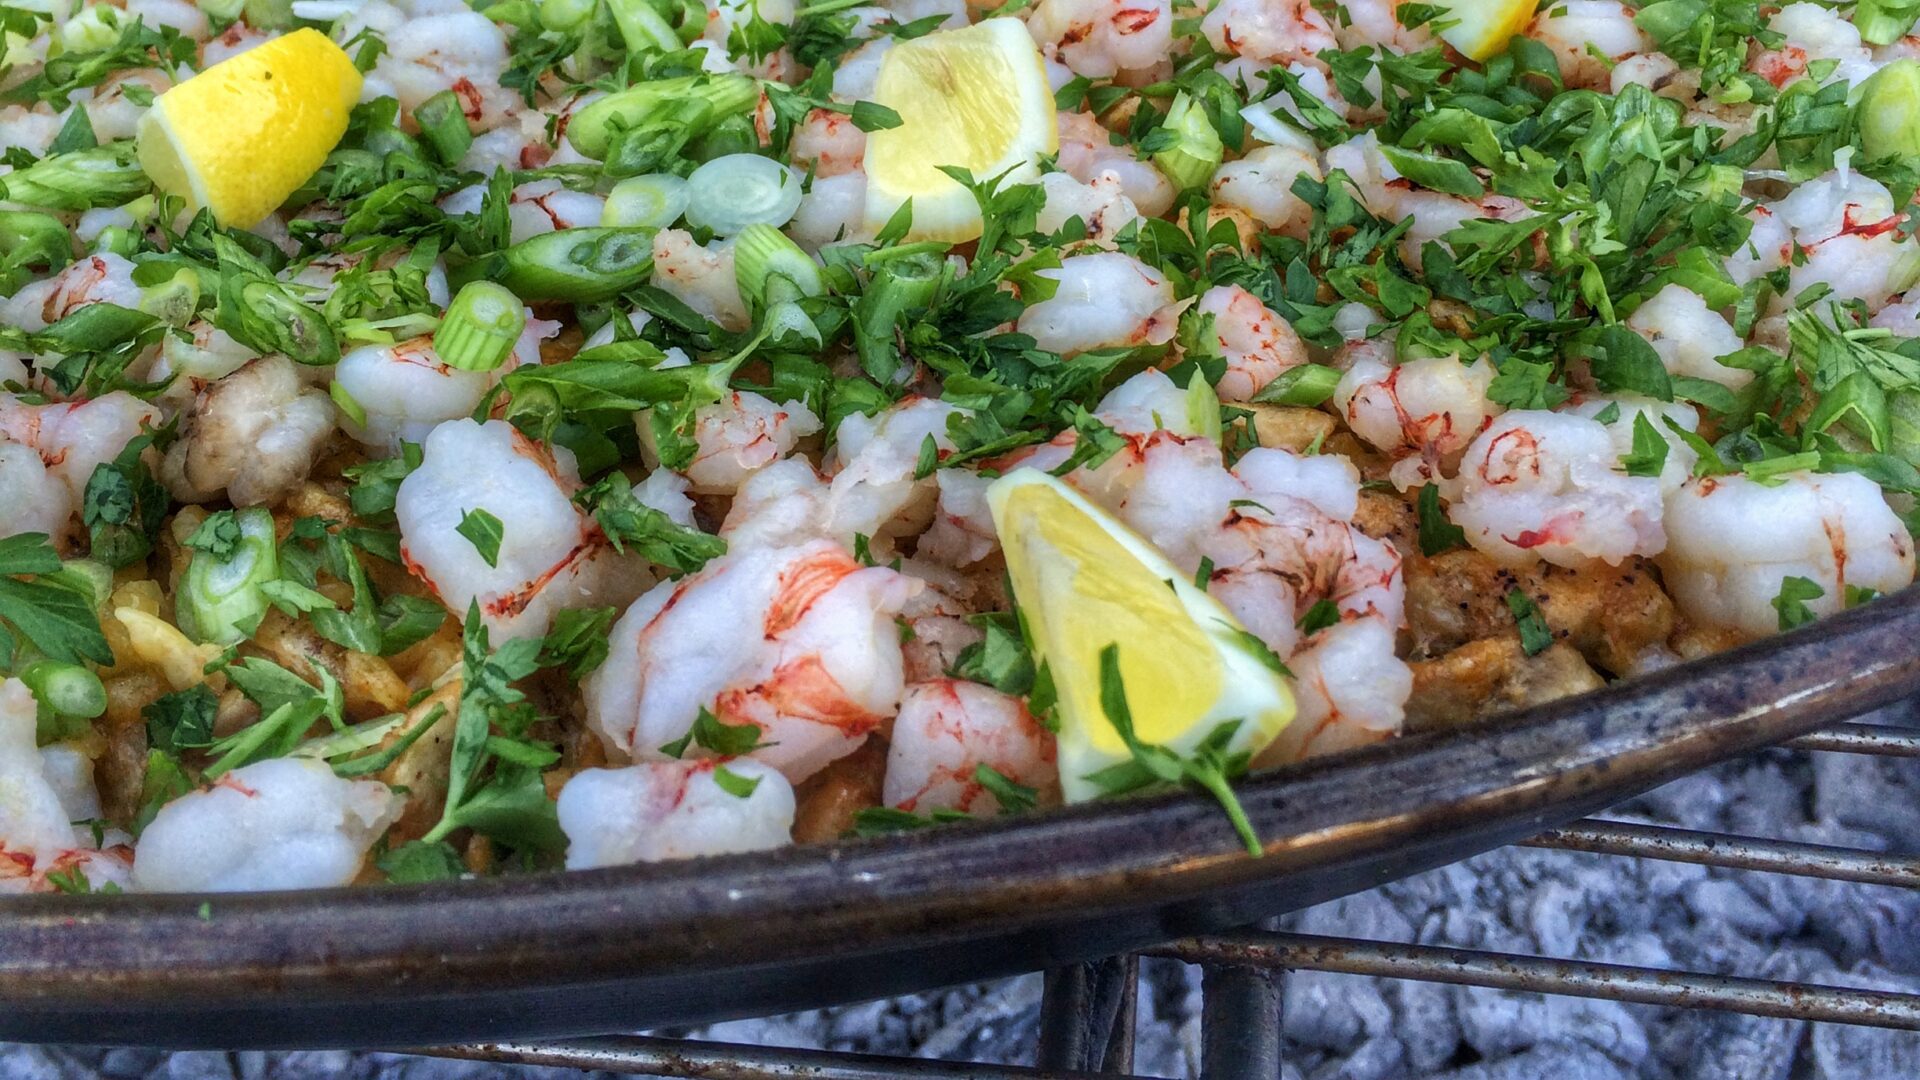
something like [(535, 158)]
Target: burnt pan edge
[(683, 942)]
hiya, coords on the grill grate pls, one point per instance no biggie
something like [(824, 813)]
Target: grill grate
[(1087, 1011)]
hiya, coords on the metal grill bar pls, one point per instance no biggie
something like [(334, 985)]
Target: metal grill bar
[(1861, 739), (1504, 971), (730, 1061), (1732, 852)]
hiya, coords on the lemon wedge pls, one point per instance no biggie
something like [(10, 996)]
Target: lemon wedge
[(242, 135), (1085, 581), (1482, 28), (975, 98)]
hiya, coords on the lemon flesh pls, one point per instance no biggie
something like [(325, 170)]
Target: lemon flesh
[(976, 99), (1482, 28), (1084, 581), (244, 134)]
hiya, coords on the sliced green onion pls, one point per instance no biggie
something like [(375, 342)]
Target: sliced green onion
[(30, 242), (224, 10), (570, 264), (67, 689), (219, 596), (348, 404), (730, 193), (480, 327), (91, 29), (1307, 385), (563, 15), (268, 14), (771, 269), (734, 135), (898, 286), (1203, 407), (90, 578), (443, 123), (789, 325), (642, 28), (103, 176), (1889, 111), (655, 201), (593, 129), (1883, 22), (1196, 153), (174, 301)]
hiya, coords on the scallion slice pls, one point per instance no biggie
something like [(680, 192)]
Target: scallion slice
[(656, 201), (219, 595), (480, 327), (771, 269), (730, 193), (67, 689)]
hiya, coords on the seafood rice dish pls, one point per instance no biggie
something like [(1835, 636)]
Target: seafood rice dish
[(448, 438)]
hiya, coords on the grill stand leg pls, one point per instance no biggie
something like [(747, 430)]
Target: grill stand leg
[(1240, 1023), (1087, 1016)]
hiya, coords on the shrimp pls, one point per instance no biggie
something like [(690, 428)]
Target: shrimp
[(112, 112), (542, 206), (1733, 541), (946, 731), (937, 620), (49, 452), (1377, 22), (551, 555), (461, 51), (234, 40), (673, 810), (1104, 299), (1543, 485), (832, 211), (726, 16), (1087, 153), (1261, 183), (1841, 230), (404, 391), (700, 277), (32, 129), (32, 500), (1813, 33), (95, 279), (1277, 532), (177, 14), (42, 792), (284, 823), (1101, 205), (1627, 410), (1349, 691), (1391, 196), (735, 437), (830, 143), (1689, 336), (962, 531), (873, 490), (211, 354), (798, 641), (1100, 38), (1274, 33), (251, 436), (872, 493), (1588, 37), (1258, 343), (1423, 413)]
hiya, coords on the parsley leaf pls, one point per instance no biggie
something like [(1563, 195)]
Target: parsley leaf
[(1791, 603), (484, 532), (1535, 636), (1437, 533), (1649, 454)]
